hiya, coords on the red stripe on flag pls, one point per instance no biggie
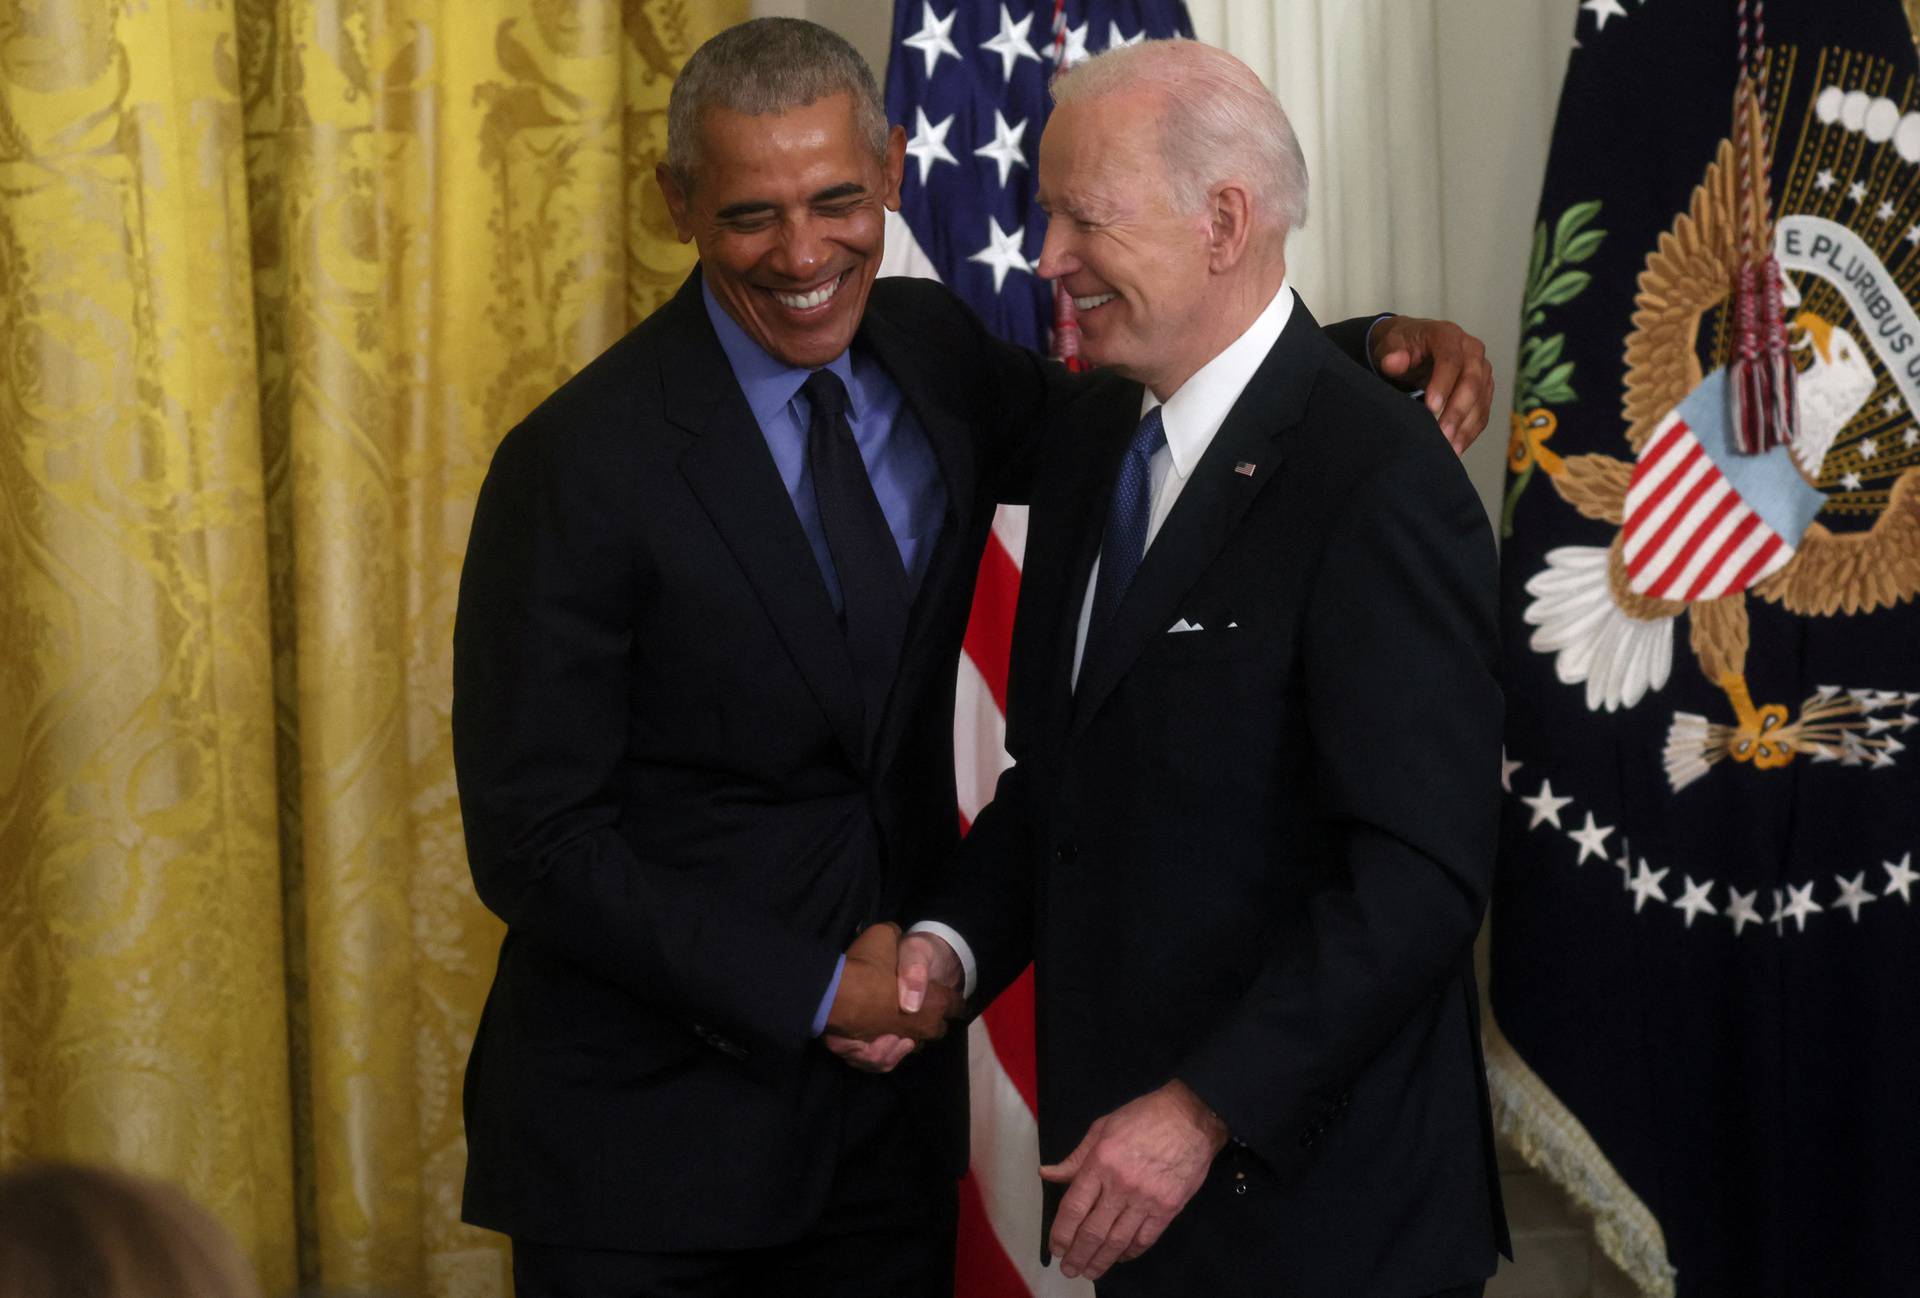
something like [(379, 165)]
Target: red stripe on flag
[(1009, 1023), (1761, 558), (1734, 540), (1659, 494), (990, 625), (981, 1268), (1678, 516)]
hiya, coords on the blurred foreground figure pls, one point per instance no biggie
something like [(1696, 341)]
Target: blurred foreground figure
[(83, 1232)]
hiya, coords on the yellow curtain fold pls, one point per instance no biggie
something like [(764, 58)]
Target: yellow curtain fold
[(275, 276)]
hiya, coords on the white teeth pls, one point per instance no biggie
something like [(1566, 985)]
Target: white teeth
[(1089, 303), (807, 301)]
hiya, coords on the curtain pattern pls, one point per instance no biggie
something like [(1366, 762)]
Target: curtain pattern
[(275, 276)]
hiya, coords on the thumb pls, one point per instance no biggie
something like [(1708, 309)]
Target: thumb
[(912, 978)]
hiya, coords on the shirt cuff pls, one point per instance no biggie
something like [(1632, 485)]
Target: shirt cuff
[(1377, 322), (946, 934), (826, 1002)]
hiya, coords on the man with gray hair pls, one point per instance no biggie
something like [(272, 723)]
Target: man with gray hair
[(703, 685), (1248, 837)]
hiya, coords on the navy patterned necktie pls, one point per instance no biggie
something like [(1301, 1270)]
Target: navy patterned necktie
[(1124, 542), (873, 581)]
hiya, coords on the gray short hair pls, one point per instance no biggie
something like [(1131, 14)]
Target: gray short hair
[(768, 66), (1219, 122)]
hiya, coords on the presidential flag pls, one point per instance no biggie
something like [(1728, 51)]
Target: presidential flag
[(968, 81), (1705, 939)]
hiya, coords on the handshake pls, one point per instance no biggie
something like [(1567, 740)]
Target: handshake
[(894, 993)]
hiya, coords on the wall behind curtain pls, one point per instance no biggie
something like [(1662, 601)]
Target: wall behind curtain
[(275, 276)]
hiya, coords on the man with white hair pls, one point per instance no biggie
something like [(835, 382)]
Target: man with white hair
[(1249, 834)]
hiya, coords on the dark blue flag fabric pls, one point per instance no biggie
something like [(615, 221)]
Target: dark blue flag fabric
[(1706, 939), (968, 81)]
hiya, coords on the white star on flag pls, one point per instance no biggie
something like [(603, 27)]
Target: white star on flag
[(1913, 235), (1851, 481), (1002, 253), (1884, 212), (1545, 806), (1824, 181), (1647, 884), (1856, 192), (1010, 42), (1900, 878), (1603, 10), (1115, 38), (1911, 437), (1868, 448), (929, 142), (1891, 404), (1591, 838), (1741, 910), (1076, 46), (1853, 895), (1004, 147), (934, 37), (1800, 905), (1694, 899)]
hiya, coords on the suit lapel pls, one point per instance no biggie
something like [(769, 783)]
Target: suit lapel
[(1104, 426), (729, 468), (1208, 511), (924, 385)]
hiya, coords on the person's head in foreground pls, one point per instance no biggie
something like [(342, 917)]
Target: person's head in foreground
[(82, 1232), (1171, 178)]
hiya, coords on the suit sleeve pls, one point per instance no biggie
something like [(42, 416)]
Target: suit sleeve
[(542, 684), (987, 893), (1404, 709)]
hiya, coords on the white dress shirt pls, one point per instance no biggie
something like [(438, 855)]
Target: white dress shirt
[(1191, 417)]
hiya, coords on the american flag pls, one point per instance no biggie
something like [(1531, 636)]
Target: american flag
[(968, 81)]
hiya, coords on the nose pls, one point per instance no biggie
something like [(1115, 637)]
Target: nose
[(800, 250), (1057, 258)]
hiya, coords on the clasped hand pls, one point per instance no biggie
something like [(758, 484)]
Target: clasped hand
[(868, 1025)]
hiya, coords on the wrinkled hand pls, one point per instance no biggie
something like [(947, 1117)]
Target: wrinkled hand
[(923, 960), (1447, 361), (866, 1006), (1130, 1177)]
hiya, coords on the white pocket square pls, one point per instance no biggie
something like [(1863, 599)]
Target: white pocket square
[(1184, 625)]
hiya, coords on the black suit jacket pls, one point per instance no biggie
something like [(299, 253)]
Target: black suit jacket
[(659, 747), (1254, 856)]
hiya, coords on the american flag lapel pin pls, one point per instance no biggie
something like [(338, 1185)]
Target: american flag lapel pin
[(1245, 468)]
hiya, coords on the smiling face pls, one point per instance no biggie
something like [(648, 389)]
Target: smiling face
[(1136, 268), (787, 211)]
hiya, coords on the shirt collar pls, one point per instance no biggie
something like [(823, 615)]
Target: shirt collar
[(1194, 414), (768, 382)]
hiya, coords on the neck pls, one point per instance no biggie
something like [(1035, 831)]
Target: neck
[(1237, 301)]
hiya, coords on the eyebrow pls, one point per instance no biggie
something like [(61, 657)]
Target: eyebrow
[(833, 193)]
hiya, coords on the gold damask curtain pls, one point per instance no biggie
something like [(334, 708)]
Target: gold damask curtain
[(275, 275)]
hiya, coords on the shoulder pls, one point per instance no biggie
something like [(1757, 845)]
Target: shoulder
[(1359, 432), (612, 406)]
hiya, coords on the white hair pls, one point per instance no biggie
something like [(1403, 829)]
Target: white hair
[(1219, 122)]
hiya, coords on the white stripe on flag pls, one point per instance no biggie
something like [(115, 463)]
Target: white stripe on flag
[(1007, 1169), (1643, 526), (1676, 547), (979, 740)]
